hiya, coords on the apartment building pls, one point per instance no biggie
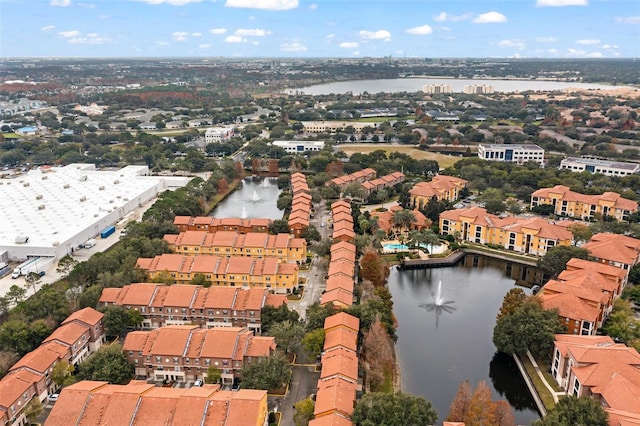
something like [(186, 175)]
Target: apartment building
[(385, 219), (524, 235), (566, 202), (81, 334), (161, 305), (360, 176), (140, 403), (283, 247), (234, 271), (605, 167), (441, 187), (614, 249), (212, 224), (512, 153), (383, 182), (597, 367), (477, 89), (436, 89), (184, 353)]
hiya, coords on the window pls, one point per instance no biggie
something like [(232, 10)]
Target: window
[(576, 387)]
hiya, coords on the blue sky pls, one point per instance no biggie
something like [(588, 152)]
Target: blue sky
[(320, 28)]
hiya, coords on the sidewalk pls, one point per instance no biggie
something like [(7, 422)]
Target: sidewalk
[(556, 395)]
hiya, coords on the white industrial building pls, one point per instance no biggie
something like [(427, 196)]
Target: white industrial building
[(436, 89), (606, 167), (512, 153), (218, 134), (293, 147), (51, 211)]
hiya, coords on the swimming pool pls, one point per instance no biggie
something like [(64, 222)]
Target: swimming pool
[(394, 247)]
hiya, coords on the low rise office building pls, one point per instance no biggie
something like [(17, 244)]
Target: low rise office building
[(512, 153), (605, 167)]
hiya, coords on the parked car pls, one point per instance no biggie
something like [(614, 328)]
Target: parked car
[(54, 397), (198, 383)]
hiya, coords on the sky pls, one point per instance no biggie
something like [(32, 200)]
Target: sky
[(320, 28)]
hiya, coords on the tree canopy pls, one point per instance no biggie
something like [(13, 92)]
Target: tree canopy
[(107, 364), (395, 409), (271, 372), (555, 261), (572, 411)]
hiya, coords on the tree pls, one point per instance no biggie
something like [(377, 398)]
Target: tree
[(20, 337), (556, 258), (528, 327), (284, 201), (583, 411), (16, 294), (481, 410), (279, 226), (270, 315), (116, 320), (581, 233), (504, 414), (313, 342), (33, 279), (634, 276), (33, 409), (89, 298), (213, 375), (403, 219), (62, 373), (512, 301), (271, 372), (288, 334), (622, 324), (372, 268), (65, 265), (460, 403), (316, 314), (396, 409), (107, 364), (311, 233), (304, 412), (379, 352)]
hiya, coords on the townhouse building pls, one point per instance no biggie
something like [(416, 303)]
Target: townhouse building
[(283, 247), (81, 334), (383, 182), (597, 367), (441, 187), (185, 352), (234, 271), (360, 176), (617, 250), (213, 224), (96, 402), (161, 305), (524, 235), (566, 202), (301, 205)]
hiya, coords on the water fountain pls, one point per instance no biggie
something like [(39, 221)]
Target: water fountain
[(439, 305), (255, 197), (244, 212)]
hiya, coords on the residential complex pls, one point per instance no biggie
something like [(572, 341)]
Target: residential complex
[(299, 147), (184, 353), (385, 220), (301, 205), (441, 187), (162, 305), (284, 247), (360, 176), (140, 403), (436, 89), (477, 89), (566, 202), (606, 167), (80, 335), (218, 134), (512, 153), (212, 224), (597, 367), (56, 209), (234, 271), (524, 235), (383, 182), (614, 249)]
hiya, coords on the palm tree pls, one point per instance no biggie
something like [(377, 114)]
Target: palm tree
[(403, 219)]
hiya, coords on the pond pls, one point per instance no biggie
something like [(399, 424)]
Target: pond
[(440, 347), (255, 197)]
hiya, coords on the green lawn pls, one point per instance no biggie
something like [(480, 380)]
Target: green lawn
[(543, 392)]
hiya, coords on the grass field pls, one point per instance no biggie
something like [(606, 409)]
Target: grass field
[(443, 160)]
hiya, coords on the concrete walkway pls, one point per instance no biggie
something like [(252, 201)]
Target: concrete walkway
[(556, 395)]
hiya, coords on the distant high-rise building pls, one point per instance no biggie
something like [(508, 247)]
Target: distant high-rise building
[(477, 89), (436, 89)]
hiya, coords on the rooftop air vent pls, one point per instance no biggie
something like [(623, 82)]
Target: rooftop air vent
[(39, 197), (101, 188), (41, 207), (66, 186)]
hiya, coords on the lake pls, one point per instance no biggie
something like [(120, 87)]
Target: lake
[(438, 351), (254, 198), (415, 85)]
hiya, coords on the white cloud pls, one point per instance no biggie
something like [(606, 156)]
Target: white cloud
[(356, 53), (561, 3), (256, 32), (588, 41), (89, 38), (69, 34), (171, 2), (313, 6), (48, 28), (444, 17), (376, 35), (293, 47), (87, 5), (628, 20), (255, 43), (263, 4), (235, 39), (204, 46), (490, 18), (513, 44), (576, 52), (553, 51), (421, 30), (217, 30), (349, 44), (60, 3), (594, 55), (546, 39), (162, 43), (180, 35), (330, 36), (196, 34), (609, 46)]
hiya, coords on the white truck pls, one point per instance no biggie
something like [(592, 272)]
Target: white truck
[(29, 265)]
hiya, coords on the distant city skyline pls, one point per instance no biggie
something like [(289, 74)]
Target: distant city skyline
[(320, 28)]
